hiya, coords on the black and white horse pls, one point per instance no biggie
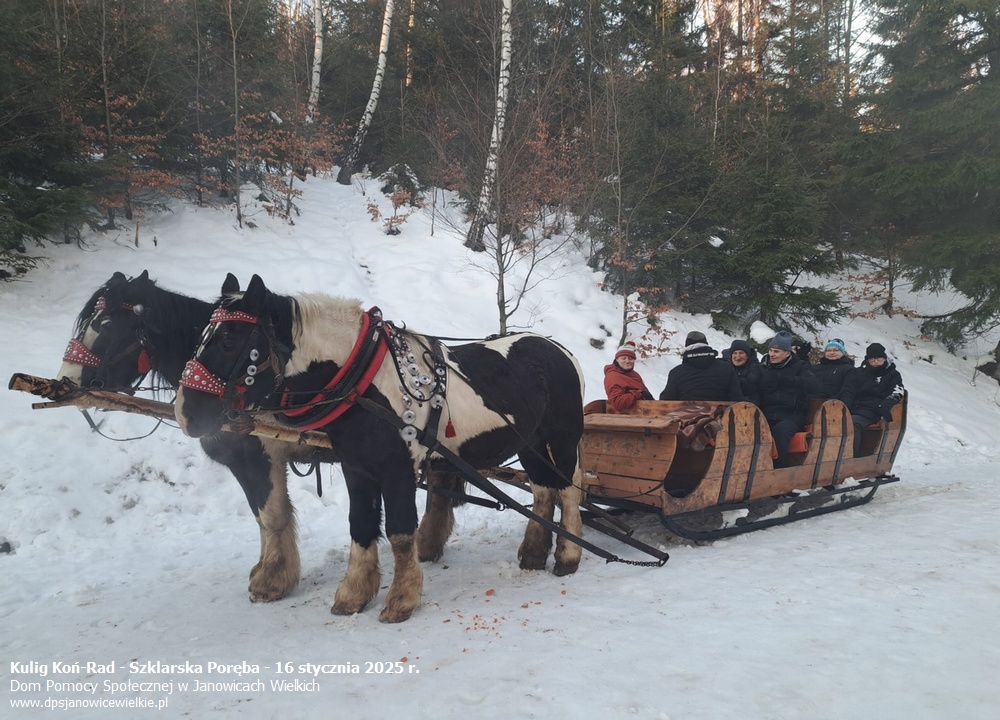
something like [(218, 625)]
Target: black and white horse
[(383, 395), (130, 328)]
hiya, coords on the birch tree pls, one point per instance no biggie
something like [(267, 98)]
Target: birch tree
[(347, 166), (474, 238), (317, 63)]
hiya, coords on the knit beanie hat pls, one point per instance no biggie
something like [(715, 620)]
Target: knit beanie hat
[(694, 338), (875, 350), (836, 343), (741, 345), (627, 349), (782, 341)]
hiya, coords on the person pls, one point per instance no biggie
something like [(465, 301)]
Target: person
[(871, 391), (784, 387), (701, 374), (833, 368), (747, 366), (622, 384)]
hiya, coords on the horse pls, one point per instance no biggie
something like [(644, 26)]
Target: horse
[(387, 397), (129, 328)]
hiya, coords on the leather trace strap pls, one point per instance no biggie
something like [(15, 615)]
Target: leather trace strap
[(473, 476)]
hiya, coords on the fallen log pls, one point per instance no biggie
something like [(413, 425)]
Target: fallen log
[(62, 393)]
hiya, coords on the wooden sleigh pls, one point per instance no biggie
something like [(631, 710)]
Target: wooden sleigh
[(641, 460)]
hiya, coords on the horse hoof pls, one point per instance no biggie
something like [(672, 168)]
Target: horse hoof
[(394, 616), (565, 568), (343, 608), (533, 562), (266, 597), (430, 556)]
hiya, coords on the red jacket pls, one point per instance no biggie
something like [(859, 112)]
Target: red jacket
[(623, 387)]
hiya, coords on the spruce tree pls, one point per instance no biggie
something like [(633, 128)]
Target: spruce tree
[(930, 159)]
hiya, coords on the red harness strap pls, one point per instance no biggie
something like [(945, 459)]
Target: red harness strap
[(351, 397)]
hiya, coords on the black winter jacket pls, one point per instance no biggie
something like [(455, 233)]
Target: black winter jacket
[(784, 390), (831, 375), (749, 375), (701, 376), (871, 392)]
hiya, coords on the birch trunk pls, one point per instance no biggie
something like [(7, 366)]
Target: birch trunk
[(234, 30), (317, 61), (474, 239), (347, 166)]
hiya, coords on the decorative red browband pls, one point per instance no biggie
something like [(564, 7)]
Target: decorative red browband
[(197, 377), (221, 315), (102, 305), (79, 354)]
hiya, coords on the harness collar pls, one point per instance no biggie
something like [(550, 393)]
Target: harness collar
[(350, 381)]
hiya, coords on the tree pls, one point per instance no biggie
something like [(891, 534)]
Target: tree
[(929, 159), (474, 238), (317, 61), (349, 161)]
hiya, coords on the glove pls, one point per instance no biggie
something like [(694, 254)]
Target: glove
[(885, 410)]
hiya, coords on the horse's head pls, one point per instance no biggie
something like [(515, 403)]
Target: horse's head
[(238, 363), (110, 349)]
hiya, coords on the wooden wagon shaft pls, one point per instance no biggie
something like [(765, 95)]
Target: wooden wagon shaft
[(66, 394)]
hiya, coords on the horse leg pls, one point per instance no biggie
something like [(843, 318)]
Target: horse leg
[(264, 484), (568, 553), (407, 581), (361, 582), (279, 568), (439, 519), (400, 522), (546, 484), (534, 550)]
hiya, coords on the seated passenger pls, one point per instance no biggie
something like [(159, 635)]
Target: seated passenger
[(744, 361), (833, 368), (784, 387), (622, 384), (701, 375), (871, 391)]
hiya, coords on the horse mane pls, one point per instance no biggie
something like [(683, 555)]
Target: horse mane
[(173, 322), (324, 328), (88, 309)]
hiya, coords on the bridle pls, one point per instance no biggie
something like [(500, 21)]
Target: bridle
[(77, 352), (323, 406), (232, 392)]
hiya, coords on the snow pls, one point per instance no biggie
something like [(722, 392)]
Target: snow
[(139, 551)]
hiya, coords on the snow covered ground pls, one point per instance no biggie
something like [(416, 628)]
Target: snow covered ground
[(138, 552)]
